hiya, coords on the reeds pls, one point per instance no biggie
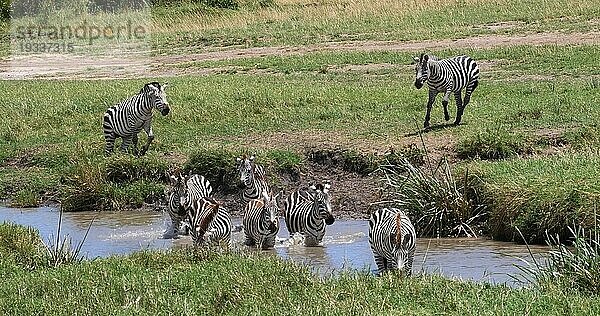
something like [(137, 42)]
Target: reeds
[(60, 251)]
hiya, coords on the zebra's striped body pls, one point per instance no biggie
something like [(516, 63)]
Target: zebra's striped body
[(184, 190), (261, 222), (307, 212), (393, 240), (210, 223), (253, 178), (129, 117), (450, 75)]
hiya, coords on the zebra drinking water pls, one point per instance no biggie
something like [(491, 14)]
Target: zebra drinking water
[(130, 116), (192, 188), (307, 212), (393, 240), (252, 177), (261, 222), (449, 76), (210, 222)]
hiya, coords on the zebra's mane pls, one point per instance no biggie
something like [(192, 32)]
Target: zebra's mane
[(153, 83)]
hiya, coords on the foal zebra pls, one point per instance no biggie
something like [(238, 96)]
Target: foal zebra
[(253, 178), (127, 118), (191, 188), (261, 223), (449, 76), (210, 222), (307, 212), (392, 237)]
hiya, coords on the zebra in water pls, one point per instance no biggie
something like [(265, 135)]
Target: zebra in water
[(261, 222), (252, 176), (210, 222), (127, 118), (449, 76), (307, 213), (392, 237), (192, 188)]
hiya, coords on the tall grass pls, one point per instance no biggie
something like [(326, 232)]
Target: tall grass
[(438, 205), (60, 250), (572, 264)]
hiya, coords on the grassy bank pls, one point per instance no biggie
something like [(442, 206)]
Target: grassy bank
[(188, 281)]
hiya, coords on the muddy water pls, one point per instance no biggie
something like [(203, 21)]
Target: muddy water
[(345, 245)]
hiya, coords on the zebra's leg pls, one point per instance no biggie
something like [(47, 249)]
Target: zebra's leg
[(460, 107), (381, 263), (432, 95), (470, 88), (110, 143), (148, 128), (445, 104), (409, 263), (126, 142), (134, 142)]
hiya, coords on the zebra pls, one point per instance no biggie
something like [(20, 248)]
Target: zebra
[(210, 222), (307, 212), (191, 187), (127, 118), (252, 176), (261, 222), (392, 237), (447, 75)]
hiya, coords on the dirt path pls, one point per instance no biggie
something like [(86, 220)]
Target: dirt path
[(85, 67)]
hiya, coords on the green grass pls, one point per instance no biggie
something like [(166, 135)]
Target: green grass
[(541, 194), (188, 281)]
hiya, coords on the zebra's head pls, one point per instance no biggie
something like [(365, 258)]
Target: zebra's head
[(181, 189), (271, 208), (158, 96), (421, 70), (402, 245), (322, 203), (246, 169)]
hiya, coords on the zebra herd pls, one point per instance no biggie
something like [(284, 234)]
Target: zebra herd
[(193, 209)]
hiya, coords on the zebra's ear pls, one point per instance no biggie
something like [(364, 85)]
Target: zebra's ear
[(164, 86), (425, 58), (251, 158), (312, 187), (238, 159), (415, 60)]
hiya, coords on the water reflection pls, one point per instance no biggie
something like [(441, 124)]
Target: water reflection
[(345, 245)]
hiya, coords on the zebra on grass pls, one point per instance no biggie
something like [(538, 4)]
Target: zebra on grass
[(252, 176), (209, 221), (192, 188), (393, 240), (130, 116), (449, 76), (261, 222), (307, 213)]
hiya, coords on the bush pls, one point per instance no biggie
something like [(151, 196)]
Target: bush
[(437, 204), (127, 168), (5, 10), (217, 165), (493, 144), (22, 245)]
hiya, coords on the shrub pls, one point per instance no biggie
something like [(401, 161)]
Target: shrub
[(127, 168), (5, 8), (217, 165), (438, 205), (21, 245)]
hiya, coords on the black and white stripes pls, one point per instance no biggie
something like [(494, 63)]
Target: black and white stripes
[(253, 178), (307, 213), (127, 118), (261, 221), (449, 76), (393, 240)]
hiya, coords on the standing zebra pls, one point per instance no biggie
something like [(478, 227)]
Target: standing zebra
[(192, 188), (127, 118), (307, 212), (447, 75), (261, 222), (209, 221), (392, 237), (253, 178)]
